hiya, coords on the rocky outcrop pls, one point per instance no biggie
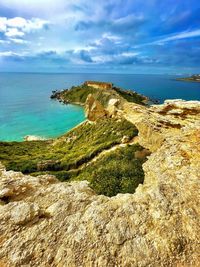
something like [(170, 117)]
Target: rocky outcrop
[(33, 138), (113, 106), (159, 122), (93, 109), (44, 222)]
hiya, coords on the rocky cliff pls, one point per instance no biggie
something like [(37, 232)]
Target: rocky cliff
[(44, 222)]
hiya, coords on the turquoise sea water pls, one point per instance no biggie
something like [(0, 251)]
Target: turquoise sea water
[(26, 109)]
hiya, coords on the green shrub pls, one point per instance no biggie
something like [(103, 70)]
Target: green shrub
[(131, 96), (116, 172)]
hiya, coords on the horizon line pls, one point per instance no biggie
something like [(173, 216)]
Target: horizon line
[(114, 73)]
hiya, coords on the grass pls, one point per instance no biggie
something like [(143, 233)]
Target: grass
[(130, 96), (67, 152), (116, 172), (79, 94)]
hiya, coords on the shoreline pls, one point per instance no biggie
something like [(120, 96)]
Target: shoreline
[(186, 80)]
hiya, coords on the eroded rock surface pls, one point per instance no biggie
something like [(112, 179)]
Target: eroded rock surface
[(44, 222), (93, 109), (159, 122)]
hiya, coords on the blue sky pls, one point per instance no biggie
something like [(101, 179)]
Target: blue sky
[(117, 36)]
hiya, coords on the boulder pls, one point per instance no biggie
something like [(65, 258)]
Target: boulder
[(112, 107), (33, 138)]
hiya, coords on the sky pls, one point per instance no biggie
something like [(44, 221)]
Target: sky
[(102, 36)]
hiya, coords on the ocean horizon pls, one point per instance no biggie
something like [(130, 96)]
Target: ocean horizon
[(26, 107)]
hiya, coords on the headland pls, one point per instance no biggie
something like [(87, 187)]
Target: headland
[(193, 78)]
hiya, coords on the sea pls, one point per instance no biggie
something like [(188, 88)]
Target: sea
[(26, 107)]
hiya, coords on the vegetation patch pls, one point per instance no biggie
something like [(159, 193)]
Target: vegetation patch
[(116, 172), (67, 152), (69, 156), (131, 96), (79, 94)]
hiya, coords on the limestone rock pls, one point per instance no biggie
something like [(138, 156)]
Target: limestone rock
[(33, 138), (113, 106), (125, 139), (93, 109), (158, 122), (22, 213)]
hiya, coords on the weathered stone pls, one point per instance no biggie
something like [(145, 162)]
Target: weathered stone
[(93, 109), (158, 122), (22, 212), (125, 139), (112, 107), (33, 138)]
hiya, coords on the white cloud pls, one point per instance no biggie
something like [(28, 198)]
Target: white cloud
[(111, 37), (18, 41), (19, 26), (178, 36), (13, 32), (11, 54), (4, 42), (3, 25), (7, 54), (16, 22), (182, 35), (35, 24), (130, 54)]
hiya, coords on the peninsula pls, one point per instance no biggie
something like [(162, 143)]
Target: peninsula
[(193, 78), (120, 189)]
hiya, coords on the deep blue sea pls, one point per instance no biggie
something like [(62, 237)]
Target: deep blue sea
[(26, 109)]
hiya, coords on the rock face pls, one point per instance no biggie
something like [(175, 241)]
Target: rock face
[(44, 222), (93, 109), (113, 106), (159, 122)]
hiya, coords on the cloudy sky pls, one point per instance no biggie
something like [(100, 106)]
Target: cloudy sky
[(118, 36)]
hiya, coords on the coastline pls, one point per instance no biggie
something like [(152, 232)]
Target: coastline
[(186, 80)]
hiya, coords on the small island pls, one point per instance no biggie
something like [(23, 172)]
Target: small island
[(193, 78)]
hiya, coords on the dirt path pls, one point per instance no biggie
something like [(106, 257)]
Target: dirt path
[(106, 151)]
